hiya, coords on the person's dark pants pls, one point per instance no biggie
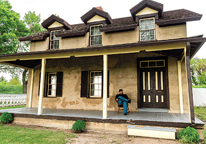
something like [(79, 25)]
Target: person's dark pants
[(123, 101)]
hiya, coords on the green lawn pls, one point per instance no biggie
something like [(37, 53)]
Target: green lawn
[(200, 113), (12, 107), (20, 135)]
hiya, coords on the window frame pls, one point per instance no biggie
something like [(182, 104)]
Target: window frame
[(50, 40), (90, 35), (90, 77), (147, 30), (51, 96)]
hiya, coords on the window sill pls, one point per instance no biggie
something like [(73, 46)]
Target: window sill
[(51, 49), (96, 45), (147, 41)]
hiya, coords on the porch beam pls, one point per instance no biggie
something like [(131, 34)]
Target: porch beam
[(105, 69), (189, 81), (43, 67), (31, 88), (180, 86)]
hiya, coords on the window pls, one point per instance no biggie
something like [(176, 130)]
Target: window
[(147, 29), (54, 41), (152, 63), (96, 84), (95, 35), (52, 84)]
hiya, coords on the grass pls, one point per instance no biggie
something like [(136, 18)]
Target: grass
[(200, 112), (20, 135), (11, 107), (199, 86)]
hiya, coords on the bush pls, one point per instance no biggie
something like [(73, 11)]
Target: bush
[(11, 89), (6, 117), (79, 125), (188, 135)]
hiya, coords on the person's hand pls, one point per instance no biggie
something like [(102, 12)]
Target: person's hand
[(116, 99), (128, 99)]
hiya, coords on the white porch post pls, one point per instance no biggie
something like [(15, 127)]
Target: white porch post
[(105, 69), (43, 66), (31, 88), (180, 87)]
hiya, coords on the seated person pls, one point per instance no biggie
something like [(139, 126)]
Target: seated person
[(123, 99)]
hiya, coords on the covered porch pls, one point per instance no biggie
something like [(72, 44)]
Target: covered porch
[(179, 50), (134, 118)]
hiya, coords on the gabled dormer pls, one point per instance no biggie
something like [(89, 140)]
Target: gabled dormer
[(95, 19), (145, 9), (55, 25)]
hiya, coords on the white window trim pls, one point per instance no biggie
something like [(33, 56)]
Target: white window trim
[(90, 35), (148, 29), (49, 84), (91, 84), (50, 38)]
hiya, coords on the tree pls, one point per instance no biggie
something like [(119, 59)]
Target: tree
[(11, 28), (2, 78), (14, 81)]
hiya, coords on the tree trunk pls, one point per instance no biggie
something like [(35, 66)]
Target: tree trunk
[(24, 81)]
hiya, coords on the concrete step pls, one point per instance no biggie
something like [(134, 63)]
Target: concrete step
[(154, 132), (153, 110)]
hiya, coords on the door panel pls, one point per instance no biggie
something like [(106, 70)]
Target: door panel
[(152, 86)]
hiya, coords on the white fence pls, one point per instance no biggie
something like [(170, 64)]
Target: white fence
[(199, 96), (12, 99)]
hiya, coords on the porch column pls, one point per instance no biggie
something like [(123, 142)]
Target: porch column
[(43, 66), (105, 69), (180, 87), (189, 81), (31, 88)]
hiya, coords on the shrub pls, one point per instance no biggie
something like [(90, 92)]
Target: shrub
[(6, 117), (79, 125), (188, 135)]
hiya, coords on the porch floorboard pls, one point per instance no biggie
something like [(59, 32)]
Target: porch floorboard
[(112, 115)]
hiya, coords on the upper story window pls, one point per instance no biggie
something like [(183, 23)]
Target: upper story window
[(95, 35), (147, 29), (54, 41)]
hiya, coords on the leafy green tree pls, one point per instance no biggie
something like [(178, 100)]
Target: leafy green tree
[(2, 78), (14, 81), (202, 78), (11, 28)]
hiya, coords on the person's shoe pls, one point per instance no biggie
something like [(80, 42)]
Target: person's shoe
[(125, 114), (129, 101)]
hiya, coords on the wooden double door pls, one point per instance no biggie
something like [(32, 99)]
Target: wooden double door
[(153, 88)]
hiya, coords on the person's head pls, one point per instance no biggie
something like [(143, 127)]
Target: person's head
[(120, 91)]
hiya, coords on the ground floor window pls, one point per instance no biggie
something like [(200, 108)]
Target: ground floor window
[(52, 84), (96, 84)]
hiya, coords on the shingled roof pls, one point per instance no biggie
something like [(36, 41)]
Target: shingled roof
[(127, 23)]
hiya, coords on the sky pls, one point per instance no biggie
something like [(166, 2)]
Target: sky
[(72, 10)]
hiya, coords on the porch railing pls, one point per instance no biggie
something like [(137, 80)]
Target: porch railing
[(12, 99)]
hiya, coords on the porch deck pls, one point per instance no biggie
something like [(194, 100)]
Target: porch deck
[(138, 118)]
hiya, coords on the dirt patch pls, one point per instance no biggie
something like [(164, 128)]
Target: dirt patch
[(94, 137)]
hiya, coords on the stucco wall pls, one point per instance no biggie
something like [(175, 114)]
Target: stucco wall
[(123, 74), (39, 45), (162, 33)]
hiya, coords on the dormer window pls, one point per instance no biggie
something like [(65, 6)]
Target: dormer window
[(54, 41), (95, 35), (147, 29)]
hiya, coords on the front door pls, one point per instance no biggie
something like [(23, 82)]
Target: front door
[(153, 87)]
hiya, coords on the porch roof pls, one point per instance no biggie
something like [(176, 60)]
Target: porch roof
[(16, 59)]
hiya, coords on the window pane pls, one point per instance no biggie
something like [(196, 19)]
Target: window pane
[(96, 84), (96, 35), (147, 29), (52, 84)]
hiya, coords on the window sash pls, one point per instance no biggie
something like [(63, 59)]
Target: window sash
[(147, 29), (95, 35), (54, 41), (95, 84), (52, 89)]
